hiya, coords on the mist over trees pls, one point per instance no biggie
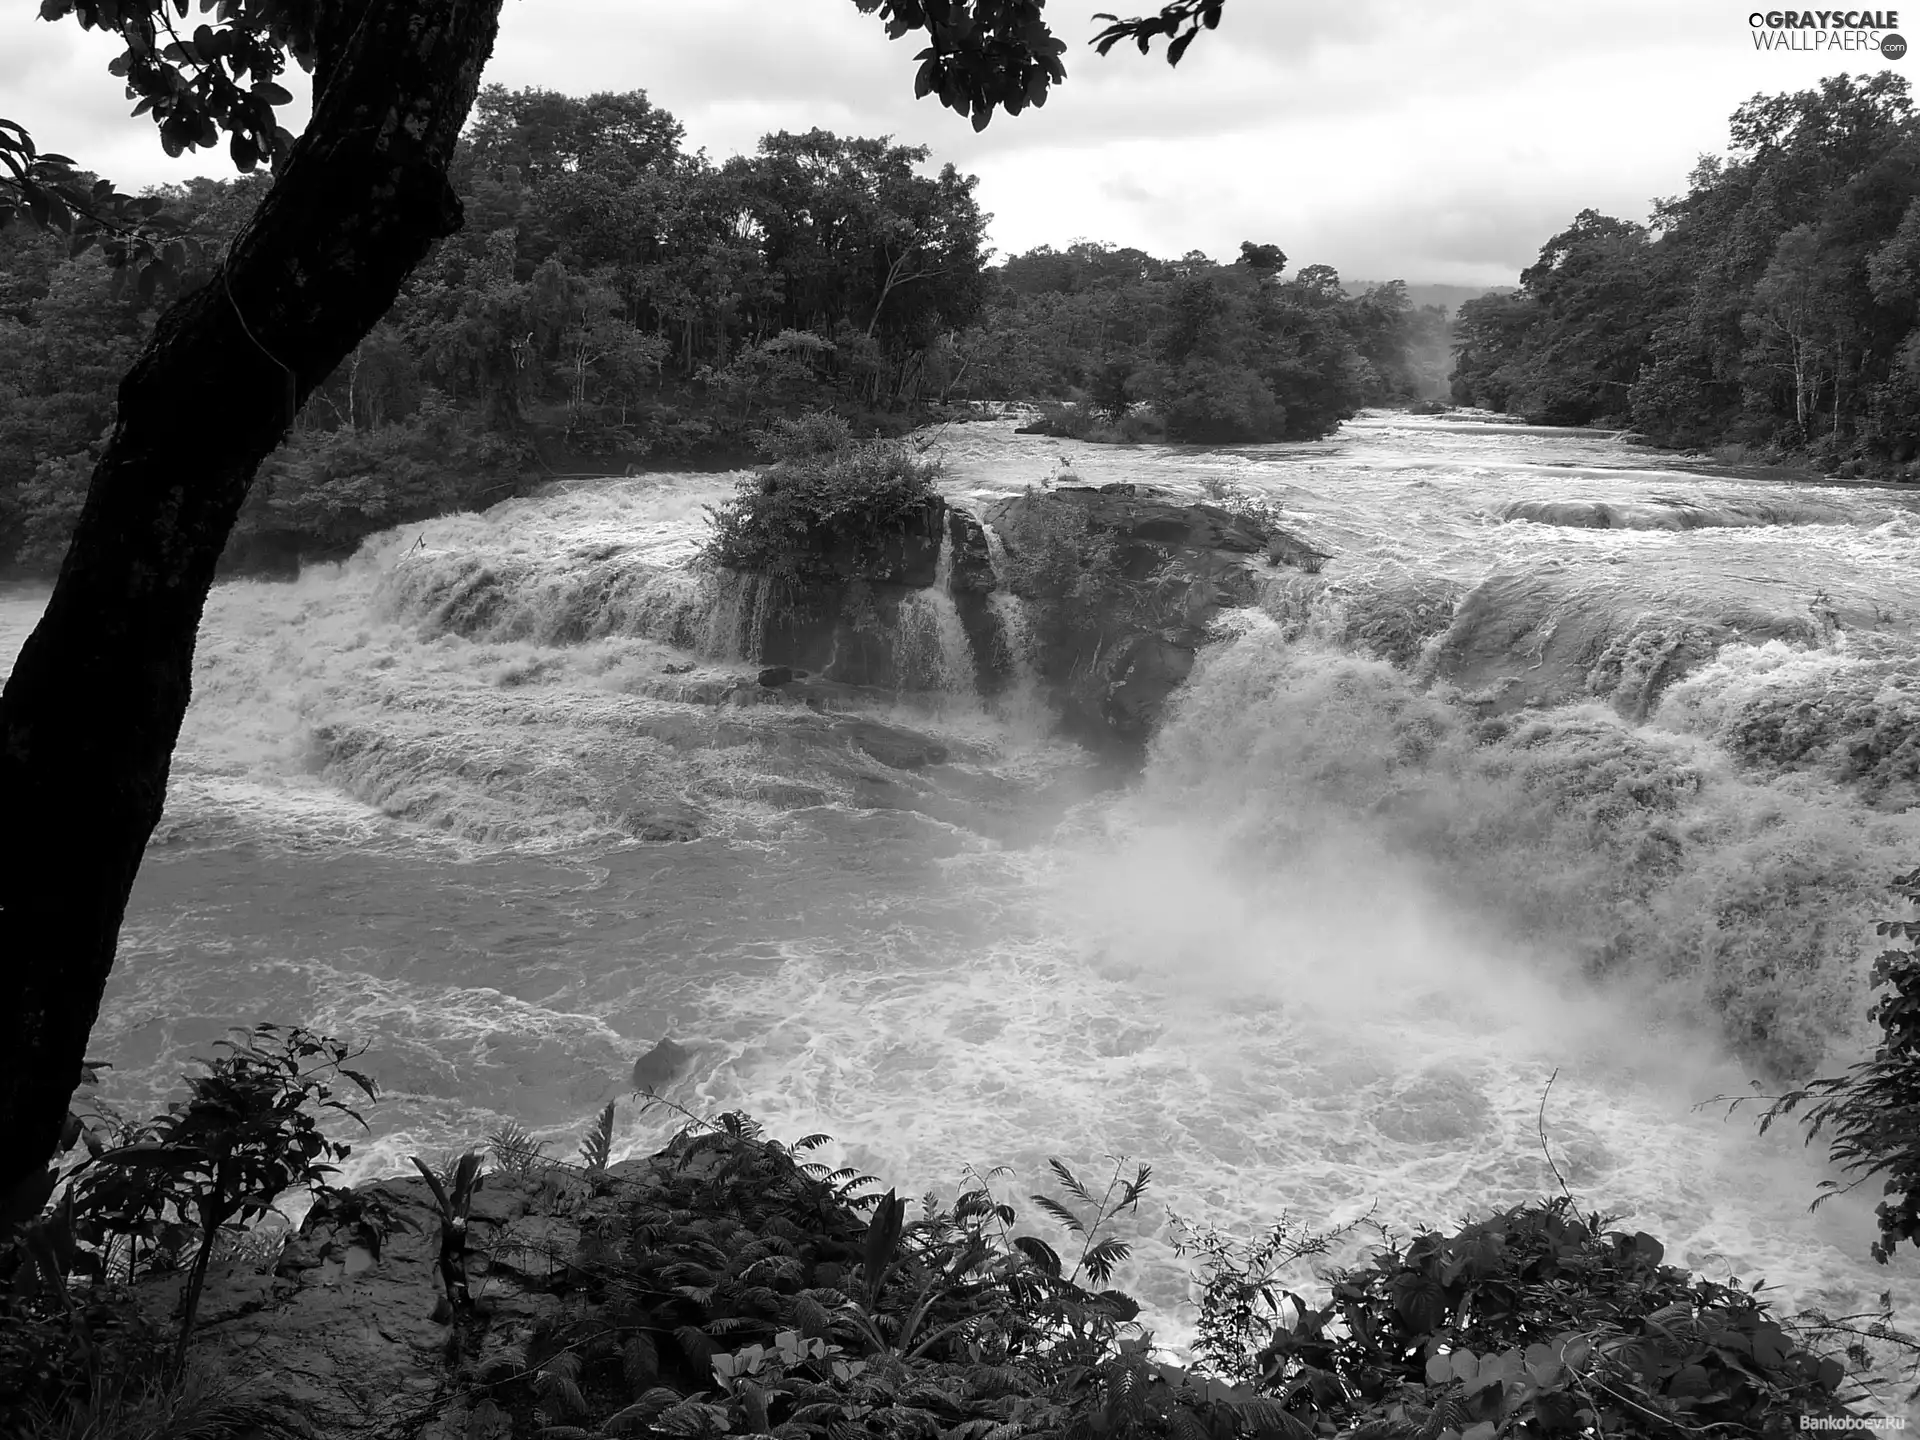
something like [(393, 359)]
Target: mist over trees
[(1772, 306), (615, 299)]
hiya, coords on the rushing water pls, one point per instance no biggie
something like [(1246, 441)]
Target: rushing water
[(1322, 956)]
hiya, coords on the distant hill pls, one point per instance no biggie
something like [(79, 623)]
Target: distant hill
[(1451, 296)]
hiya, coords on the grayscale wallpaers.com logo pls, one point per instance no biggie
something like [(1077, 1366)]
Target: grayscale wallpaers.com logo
[(1828, 30)]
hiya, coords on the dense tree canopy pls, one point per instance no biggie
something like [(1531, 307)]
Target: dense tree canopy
[(1773, 305), (616, 299)]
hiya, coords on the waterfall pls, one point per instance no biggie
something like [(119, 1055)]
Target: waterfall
[(1021, 705), (736, 618), (932, 648)]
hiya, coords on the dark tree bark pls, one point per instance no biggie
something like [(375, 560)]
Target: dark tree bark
[(89, 718)]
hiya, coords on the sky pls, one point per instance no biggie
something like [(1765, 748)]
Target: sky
[(1435, 141)]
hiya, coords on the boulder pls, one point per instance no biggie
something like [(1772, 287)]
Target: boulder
[(891, 745), (1109, 665), (342, 1331)]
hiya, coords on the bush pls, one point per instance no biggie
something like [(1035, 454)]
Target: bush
[(330, 489), (825, 494), (148, 1199), (1535, 1321), (1134, 425), (739, 1288)]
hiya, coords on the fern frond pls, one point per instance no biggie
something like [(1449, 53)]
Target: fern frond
[(1100, 1260), (1068, 1179), (639, 1363), (1060, 1212), (597, 1149)]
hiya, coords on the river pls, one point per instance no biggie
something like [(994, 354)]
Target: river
[(1321, 956)]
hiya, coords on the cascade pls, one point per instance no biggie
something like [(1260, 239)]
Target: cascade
[(1022, 703), (736, 618), (1019, 645), (931, 646)]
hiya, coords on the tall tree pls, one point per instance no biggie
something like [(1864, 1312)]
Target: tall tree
[(92, 710)]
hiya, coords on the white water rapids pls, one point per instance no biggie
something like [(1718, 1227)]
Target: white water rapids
[(1321, 956)]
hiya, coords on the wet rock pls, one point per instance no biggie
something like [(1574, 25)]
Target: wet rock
[(850, 628), (774, 676), (892, 746), (1175, 566), (341, 1336), (1552, 637), (676, 669), (1665, 514), (661, 1066), (655, 819), (341, 1332), (1285, 549)]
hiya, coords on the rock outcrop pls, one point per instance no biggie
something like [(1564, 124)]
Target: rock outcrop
[(1162, 569), (868, 625), (1124, 583)]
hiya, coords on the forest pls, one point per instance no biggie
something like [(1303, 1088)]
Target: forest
[(615, 301), (1767, 313)]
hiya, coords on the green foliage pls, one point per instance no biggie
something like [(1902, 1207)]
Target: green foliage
[(332, 488), (1534, 1321), (515, 1150), (1128, 425), (597, 1149), (1871, 1115), (1179, 21), (1218, 353), (824, 496), (1770, 307), (1069, 571), (147, 1198), (983, 53), (734, 1286)]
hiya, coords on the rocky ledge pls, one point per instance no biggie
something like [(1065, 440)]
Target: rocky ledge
[(1120, 633), (1115, 588)]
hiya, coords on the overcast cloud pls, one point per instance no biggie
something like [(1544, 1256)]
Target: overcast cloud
[(1436, 142)]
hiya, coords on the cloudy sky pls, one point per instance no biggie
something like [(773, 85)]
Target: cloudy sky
[(1435, 142)]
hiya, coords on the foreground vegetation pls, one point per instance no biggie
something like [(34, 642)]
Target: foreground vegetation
[(744, 1289), (734, 1286), (1769, 310)]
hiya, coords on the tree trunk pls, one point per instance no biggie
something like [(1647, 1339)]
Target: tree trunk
[(89, 718)]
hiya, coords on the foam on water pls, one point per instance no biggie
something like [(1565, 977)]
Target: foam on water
[(1322, 956)]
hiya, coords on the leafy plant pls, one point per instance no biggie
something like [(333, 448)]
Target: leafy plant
[(515, 1150), (247, 1134), (1872, 1113), (597, 1149), (1097, 1257), (826, 509), (1244, 1305), (453, 1197), (1537, 1317)]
